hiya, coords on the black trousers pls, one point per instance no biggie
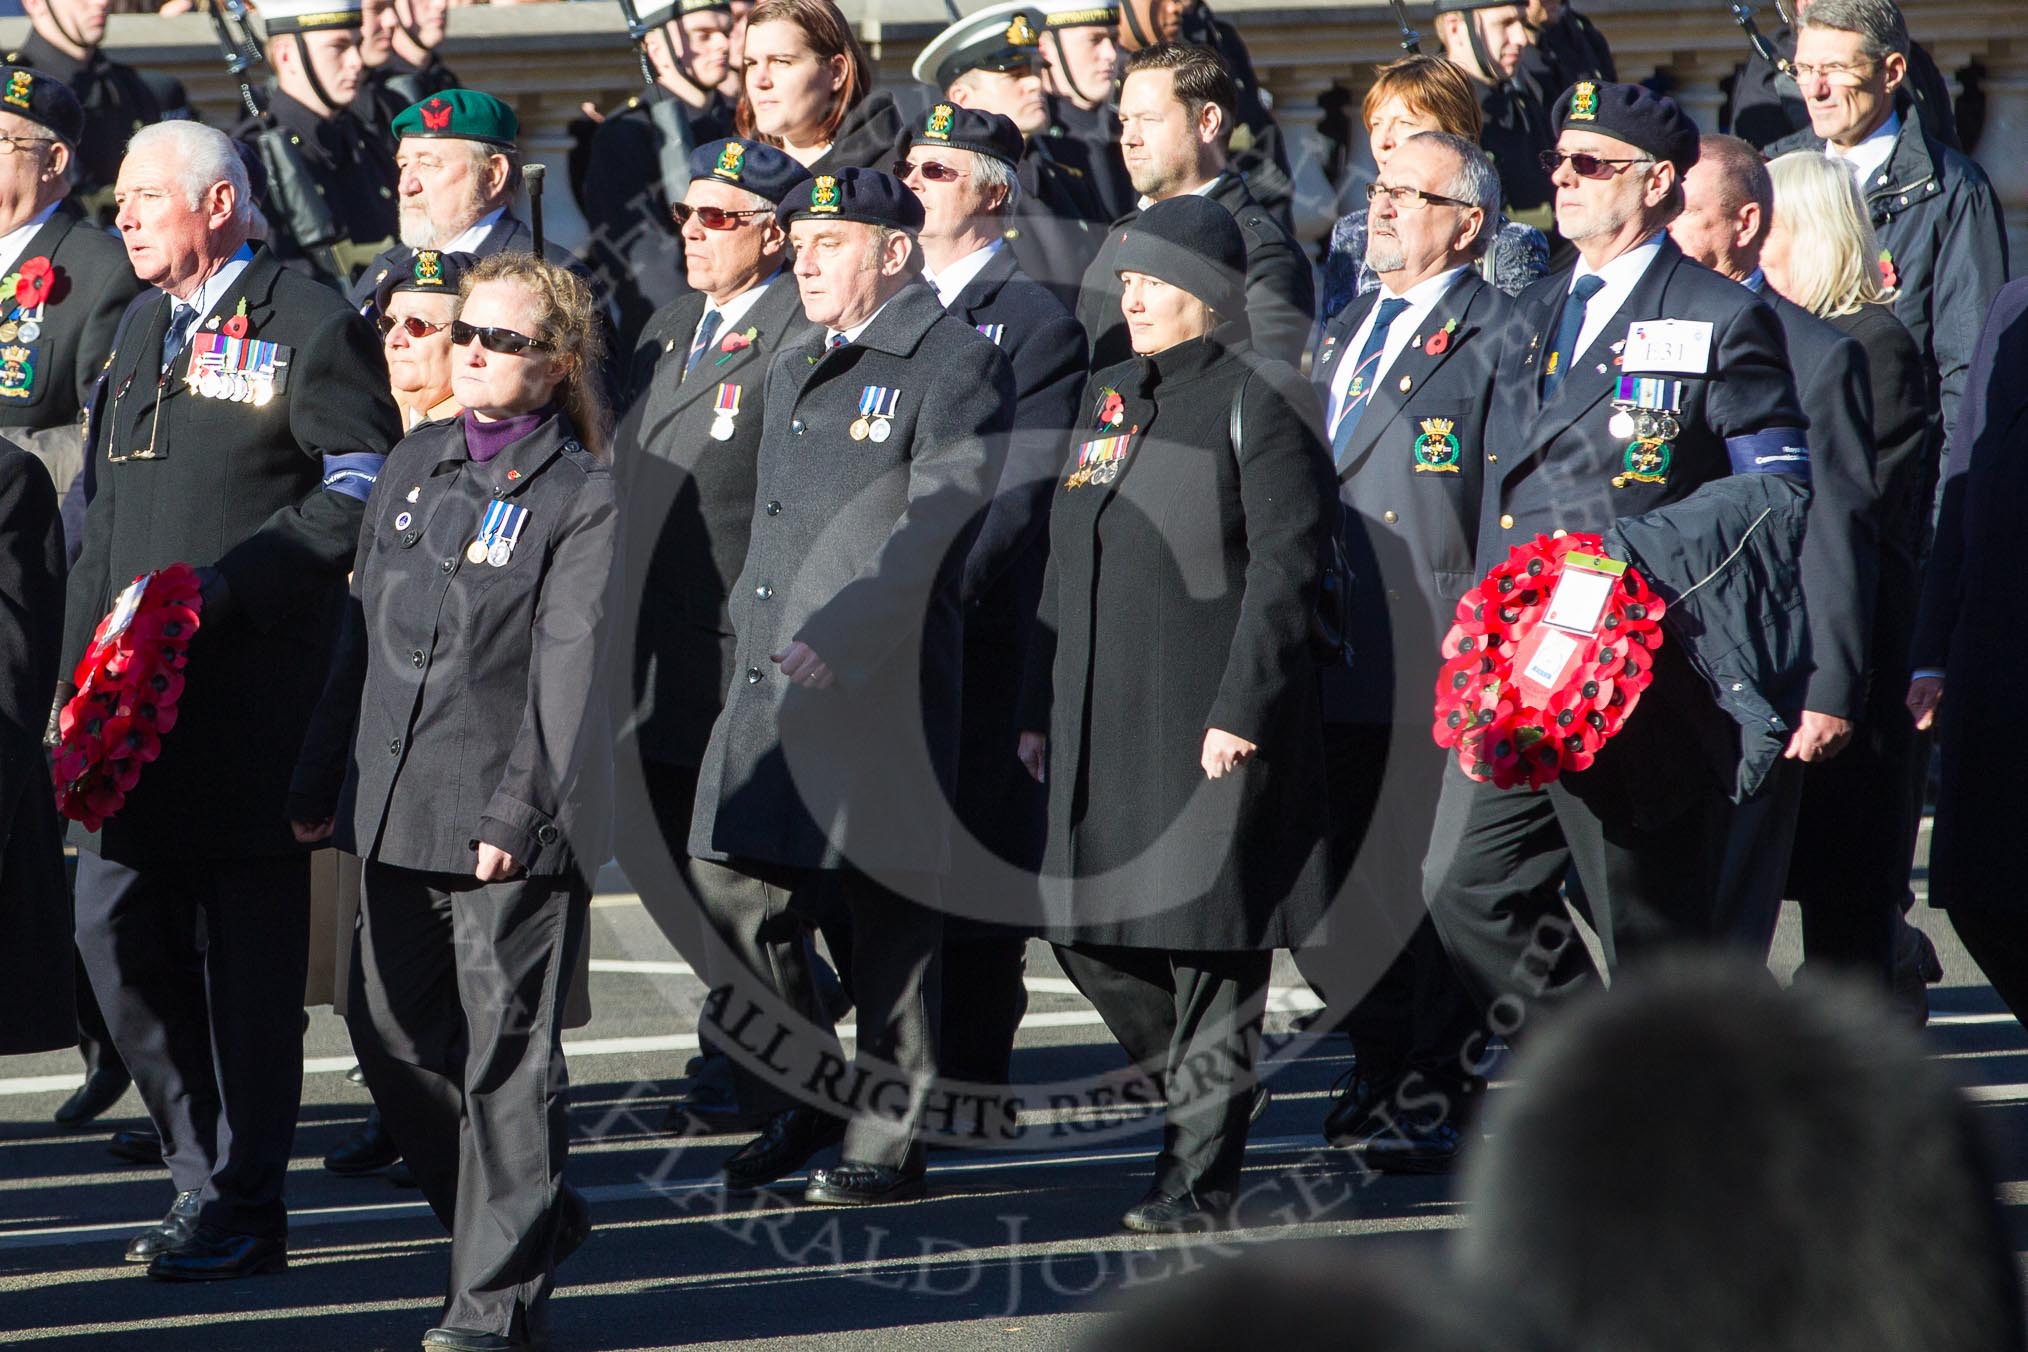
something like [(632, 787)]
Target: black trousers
[(1192, 1021), (889, 951), (976, 1033), (199, 968), (456, 1015), (1414, 1013), (1998, 942), (1753, 874), (758, 939), (1497, 861)]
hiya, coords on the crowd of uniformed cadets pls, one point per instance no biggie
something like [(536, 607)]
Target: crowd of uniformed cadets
[(940, 515)]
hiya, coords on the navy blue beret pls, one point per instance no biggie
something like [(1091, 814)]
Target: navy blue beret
[(1631, 113), (42, 99), (754, 165), (1193, 243), (983, 133), (864, 195)]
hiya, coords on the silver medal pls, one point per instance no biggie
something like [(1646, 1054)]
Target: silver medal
[(30, 331), (499, 553), (211, 385), (1669, 427), (721, 428), (1622, 425), (881, 430)]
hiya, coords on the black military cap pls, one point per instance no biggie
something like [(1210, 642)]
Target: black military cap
[(1193, 243), (42, 99), (429, 273), (995, 41), (864, 195), (1630, 113), (659, 12), (759, 168), (969, 129)]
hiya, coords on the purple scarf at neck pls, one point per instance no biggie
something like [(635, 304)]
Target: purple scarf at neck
[(484, 440)]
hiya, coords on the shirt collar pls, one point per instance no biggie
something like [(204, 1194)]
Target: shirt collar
[(1627, 268), (954, 279), (1866, 158), (15, 242), (733, 311), (852, 334), (1428, 291), (1755, 281), (469, 240), (213, 291)]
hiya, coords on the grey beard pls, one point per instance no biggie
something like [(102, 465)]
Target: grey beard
[(417, 230), (1385, 255)]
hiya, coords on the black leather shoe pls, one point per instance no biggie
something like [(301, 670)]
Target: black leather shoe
[(399, 1174), (1173, 1213), (709, 1115), (368, 1150), (1414, 1147), (101, 1090), (849, 1183), (784, 1146), (471, 1340), (173, 1229), (139, 1146), (575, 1227), (1351, 1118), (215, 1256)]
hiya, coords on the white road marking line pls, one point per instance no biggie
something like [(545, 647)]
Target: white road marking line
[(642, 967)]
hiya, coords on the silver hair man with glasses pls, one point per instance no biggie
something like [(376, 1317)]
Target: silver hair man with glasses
[(1406, 377), (686, 451), (242, 420), (1628, 382), (1943, 246)]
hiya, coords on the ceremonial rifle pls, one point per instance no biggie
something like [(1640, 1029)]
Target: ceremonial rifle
[(1742, 14), (673, 141), (1411, 41)]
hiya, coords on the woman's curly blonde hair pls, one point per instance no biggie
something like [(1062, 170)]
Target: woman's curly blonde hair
[(567, 318)]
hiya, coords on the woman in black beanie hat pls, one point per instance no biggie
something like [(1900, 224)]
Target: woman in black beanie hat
[(1173, 673)]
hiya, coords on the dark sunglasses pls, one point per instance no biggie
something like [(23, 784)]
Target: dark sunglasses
[(932, 171), (506, 342), (1586, 166), (413, 327), (713, 218)]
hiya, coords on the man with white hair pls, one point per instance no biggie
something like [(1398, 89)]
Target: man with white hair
[(460, 162), (242, 419)]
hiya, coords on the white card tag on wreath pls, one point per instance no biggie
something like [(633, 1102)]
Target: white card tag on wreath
[(125, 608)]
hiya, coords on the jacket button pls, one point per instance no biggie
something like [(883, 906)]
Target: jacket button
[(764, 591), (774, 508), (447, 565), (753, 675), (796, 426), (409, 539), (416, 658), (394, 747), (1389, 517), (1494, 459), (546, 834), (499, 492), (1506, 522)]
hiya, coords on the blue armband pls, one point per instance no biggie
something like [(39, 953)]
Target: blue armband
[(352, 474), (1778, 450)]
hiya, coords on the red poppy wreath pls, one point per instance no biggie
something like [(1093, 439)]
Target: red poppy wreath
[(128, 683), (1548, 658)]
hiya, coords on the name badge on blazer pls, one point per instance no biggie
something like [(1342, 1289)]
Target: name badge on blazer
[(1682, 346)]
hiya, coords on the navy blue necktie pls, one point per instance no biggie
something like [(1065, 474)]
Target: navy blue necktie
[(181, 317), (706, 331), (1565, 350), (1365, 375)]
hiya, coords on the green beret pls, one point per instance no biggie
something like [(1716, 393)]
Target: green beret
[(460, 115)]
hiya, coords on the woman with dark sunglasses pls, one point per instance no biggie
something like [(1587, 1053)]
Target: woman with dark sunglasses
[(465, 721)]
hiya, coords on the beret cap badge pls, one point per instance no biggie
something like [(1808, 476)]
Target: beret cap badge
[(1584, 102), (824, 194), (938, 128), (429, 268), (730, 161), (20, 89)]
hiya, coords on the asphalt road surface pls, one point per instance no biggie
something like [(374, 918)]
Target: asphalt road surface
[(1015, 1248)]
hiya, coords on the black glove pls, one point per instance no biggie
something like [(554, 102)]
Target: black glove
[(216, 593), (52, 734)]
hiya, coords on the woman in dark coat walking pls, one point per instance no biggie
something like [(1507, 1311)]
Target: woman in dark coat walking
[(467, 692), (1173, 674)]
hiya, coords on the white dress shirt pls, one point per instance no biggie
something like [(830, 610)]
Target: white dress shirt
[(734, 311), (852, 334), (469, 239), (1620, 276), (959, 275), (1869, 157), (1421, 298), (14, 243), (213, 291)]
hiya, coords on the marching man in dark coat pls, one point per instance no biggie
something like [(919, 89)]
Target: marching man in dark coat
[(1405, 374), (1643, 827), (1173, 676), (831, 767), (962, 164), (687, 452), (193, 902)]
